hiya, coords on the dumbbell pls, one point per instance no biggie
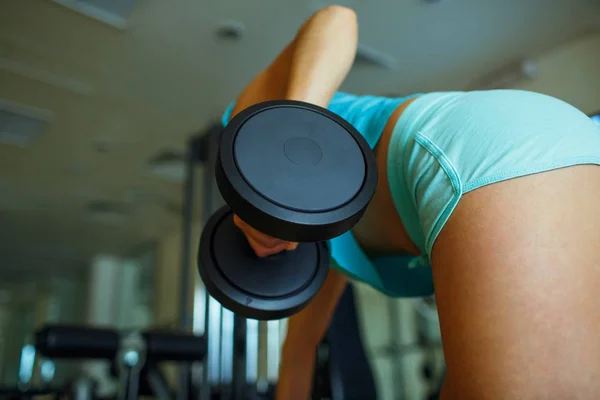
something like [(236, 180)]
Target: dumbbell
[(294, 171)]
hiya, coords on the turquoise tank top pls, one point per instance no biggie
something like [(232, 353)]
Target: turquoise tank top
[(392, 275)]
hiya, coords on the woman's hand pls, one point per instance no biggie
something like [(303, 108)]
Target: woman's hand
[(263, 245)]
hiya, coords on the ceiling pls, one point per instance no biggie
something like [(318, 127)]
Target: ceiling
[(115, 97)]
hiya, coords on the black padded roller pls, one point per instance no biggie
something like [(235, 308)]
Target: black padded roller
[(81, 342), (63, 341), (173, 346)]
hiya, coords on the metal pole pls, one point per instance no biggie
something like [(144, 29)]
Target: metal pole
[(200, 149), (186, 259), (205, 387), (239, 358), (186, 256), (397, 366), (207, 153)]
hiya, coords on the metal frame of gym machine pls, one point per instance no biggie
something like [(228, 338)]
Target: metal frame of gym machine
[(225, 351), (135, 353), (226, 365)]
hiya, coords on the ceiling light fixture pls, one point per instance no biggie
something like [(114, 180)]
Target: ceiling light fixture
[(168, 164), (20, 125), (230, 30), (108, 212), (506, 76)]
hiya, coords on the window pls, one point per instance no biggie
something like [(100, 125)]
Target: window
[(112, 12)]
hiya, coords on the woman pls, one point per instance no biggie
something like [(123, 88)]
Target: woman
[(493, 193)]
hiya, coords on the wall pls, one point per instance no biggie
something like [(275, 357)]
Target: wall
[(167, 279), (571, 73), (25, 307)]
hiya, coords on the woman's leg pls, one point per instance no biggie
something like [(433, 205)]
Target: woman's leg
[(517, 281)]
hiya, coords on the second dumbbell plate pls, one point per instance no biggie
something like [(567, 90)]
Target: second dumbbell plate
[(260, 288)]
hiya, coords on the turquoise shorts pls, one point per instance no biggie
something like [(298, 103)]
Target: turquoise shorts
[(447, 144)]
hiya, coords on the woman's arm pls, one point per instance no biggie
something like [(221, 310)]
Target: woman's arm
[(305, 331), (311, 69), (325, 48)]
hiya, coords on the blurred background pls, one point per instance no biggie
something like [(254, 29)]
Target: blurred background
[(99, 100)]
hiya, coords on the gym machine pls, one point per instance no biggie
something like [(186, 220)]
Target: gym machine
[(22, 393), (135, 354), (230, 367), (342, 370)]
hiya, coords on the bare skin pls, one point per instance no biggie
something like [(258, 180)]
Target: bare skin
[(516, 270), (380, 230), (516, 267)]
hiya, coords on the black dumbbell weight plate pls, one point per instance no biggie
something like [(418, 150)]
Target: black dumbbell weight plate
[(261, 288), (295, 171)]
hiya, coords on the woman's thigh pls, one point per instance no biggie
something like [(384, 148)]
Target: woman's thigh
[(517, 274)]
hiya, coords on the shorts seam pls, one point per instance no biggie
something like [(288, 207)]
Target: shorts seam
[(455, 181), (528, 170)]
